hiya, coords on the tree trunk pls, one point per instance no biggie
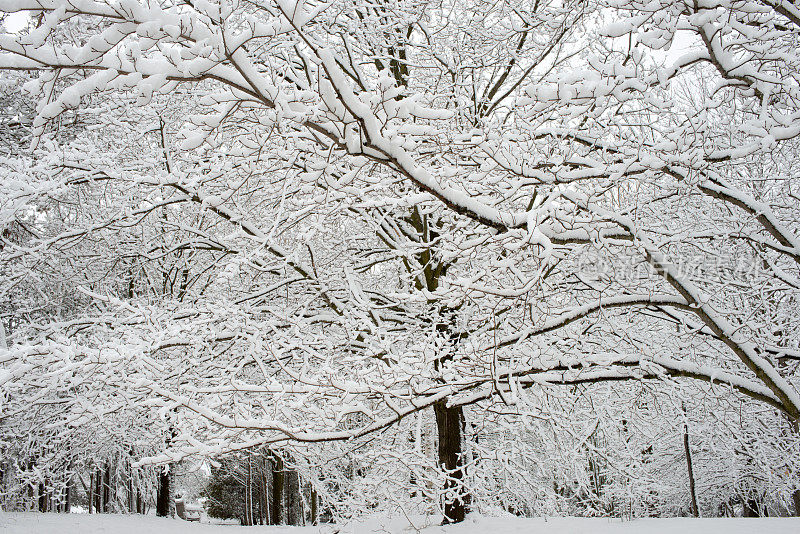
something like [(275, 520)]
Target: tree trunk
[(162, 495), (107, 489), (277, 491), (795, 427), (42, 497), (68, 495), (248, 493), (131, 493), (796, 500), (314, 507), (265, 513), (448, 424), (293, 515), (139, 501), (98, 491), (90, 493), (687, 450)]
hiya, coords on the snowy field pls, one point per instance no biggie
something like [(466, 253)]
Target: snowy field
[(29, 523)]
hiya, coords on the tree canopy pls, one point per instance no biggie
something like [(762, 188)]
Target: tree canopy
[(247, 223)]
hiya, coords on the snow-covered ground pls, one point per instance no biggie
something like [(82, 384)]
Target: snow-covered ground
[(36, 523)]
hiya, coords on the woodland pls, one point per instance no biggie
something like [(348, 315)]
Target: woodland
[(439, 257)]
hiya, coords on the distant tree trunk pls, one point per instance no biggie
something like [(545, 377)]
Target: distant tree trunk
[(140, 505), (162, 494), (90, 492), (314, 507), (293, 497), (172, 470), (131, 492), (265, 513), (98, 491), (277, 490), (164, 500), (795, 427), (248, 493), (448, 424), (65, 502), (688, 451), (68, 496), (42, 497), (796, 500), (107, 488), (259, 485)]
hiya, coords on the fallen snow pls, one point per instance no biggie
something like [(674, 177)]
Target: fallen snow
[(31, 522)]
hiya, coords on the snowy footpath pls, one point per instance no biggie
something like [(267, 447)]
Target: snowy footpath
[(36, 523)]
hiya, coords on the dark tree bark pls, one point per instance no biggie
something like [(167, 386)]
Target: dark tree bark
[(796, 501), (247, 520), (448, 424), (293, 506), (68, 496), (265, 514), (131, 493), (140, 505), (687, 450), (90, 492), (795, 427), (448, 420), (98, 491), (314, 507), (162, 495), (42, 497), (248, 502), (276, 514), (107, 489), (163, 492)]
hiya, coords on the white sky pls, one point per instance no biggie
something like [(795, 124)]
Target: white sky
[(682, 43), (15, 22)]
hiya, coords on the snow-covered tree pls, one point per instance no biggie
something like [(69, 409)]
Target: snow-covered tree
[(294, 222)]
